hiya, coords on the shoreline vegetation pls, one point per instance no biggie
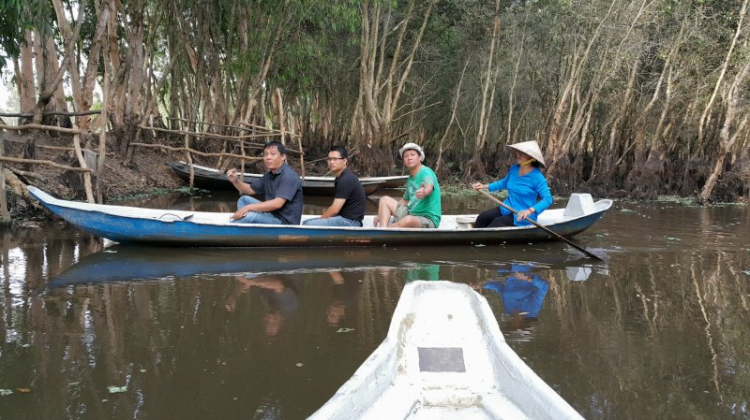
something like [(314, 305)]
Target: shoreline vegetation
[(627, 99)]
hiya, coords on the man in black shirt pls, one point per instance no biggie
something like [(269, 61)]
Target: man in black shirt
[(281, 187), (348, 208)]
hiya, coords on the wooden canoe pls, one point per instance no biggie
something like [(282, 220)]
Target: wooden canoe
[(212, 229), (444, 358), (212, 179)]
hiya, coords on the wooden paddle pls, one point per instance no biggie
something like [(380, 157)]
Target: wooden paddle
[(567, 241)]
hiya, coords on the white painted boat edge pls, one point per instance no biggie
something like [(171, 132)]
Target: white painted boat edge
[(389, 384)]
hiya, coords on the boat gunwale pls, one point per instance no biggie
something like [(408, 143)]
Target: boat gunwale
[(602, 206)]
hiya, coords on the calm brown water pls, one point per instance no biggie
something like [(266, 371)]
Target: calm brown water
[(659, 331)]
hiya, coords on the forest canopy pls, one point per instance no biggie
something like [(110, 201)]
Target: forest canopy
[(637, 98)]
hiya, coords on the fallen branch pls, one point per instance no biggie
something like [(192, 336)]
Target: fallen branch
[(27, 174), (18, 187), (42, 127), (250, 127), (65, 114), (40, 146), (187, 149), (43, 162), (208, 135), (65, 149)]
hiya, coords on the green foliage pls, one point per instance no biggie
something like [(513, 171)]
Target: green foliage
[(88, 27), (460, 191), (685, 201), (153, 192), (311, 50), (10, 30), (16, 16), (314, 51)]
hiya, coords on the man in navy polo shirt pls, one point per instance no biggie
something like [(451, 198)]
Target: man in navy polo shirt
[(349, 202), (281, 187)]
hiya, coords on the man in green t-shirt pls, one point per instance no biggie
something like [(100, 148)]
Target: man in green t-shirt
[(420, 205)]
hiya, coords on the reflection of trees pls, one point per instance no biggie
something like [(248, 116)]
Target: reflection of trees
[(31, 322), (671, 328), (172, 340), (661, 333), (6, 319), (380, 295)]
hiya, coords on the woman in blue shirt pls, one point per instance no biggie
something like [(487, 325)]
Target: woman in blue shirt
[(528, 192)]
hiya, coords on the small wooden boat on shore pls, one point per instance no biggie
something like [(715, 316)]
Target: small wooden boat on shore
[(212, 179), (444, 358), (211, 229), (389, 182)]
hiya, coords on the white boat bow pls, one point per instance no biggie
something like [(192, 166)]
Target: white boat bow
[(444, 358)]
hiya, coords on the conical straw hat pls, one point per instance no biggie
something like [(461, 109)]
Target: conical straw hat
[(531, 148)]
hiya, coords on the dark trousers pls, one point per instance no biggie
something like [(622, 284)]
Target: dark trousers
[(493, 218)]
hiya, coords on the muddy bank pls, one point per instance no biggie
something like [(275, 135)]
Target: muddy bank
[(147, 174)]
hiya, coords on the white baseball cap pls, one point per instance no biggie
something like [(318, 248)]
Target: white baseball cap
[(412, 146)]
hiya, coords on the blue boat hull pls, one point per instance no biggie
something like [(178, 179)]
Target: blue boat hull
[(185, 233)]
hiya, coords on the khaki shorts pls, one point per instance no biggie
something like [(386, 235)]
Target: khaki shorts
[(403, 211)]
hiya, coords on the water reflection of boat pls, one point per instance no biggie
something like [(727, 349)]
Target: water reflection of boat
[(444, 357), (122, 263), (207, 229), (126, 263), (212, 179)]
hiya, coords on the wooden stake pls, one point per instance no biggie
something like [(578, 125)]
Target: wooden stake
[(189, 160), (4, 214), (86, 175)]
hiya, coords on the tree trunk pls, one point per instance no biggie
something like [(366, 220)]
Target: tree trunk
[(727, 138), (378, 101), (4, 215), (456, 96), (50, 82), (26, 93), (83, 89), (705, 117), (514, 82), (579, 59), (488, 87), (475, 168)]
